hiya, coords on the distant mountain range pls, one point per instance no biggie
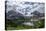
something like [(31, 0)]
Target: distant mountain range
[(38, 14), (15, 15), (23, 9)]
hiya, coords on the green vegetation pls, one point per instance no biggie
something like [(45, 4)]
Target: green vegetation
[(39, 24), (12, 26)]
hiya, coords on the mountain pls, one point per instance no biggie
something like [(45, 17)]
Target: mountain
[(38, 14), (13, 15)]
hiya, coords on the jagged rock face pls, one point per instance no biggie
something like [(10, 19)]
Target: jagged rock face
[(38, 14), (13, 15), (23, 9)]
